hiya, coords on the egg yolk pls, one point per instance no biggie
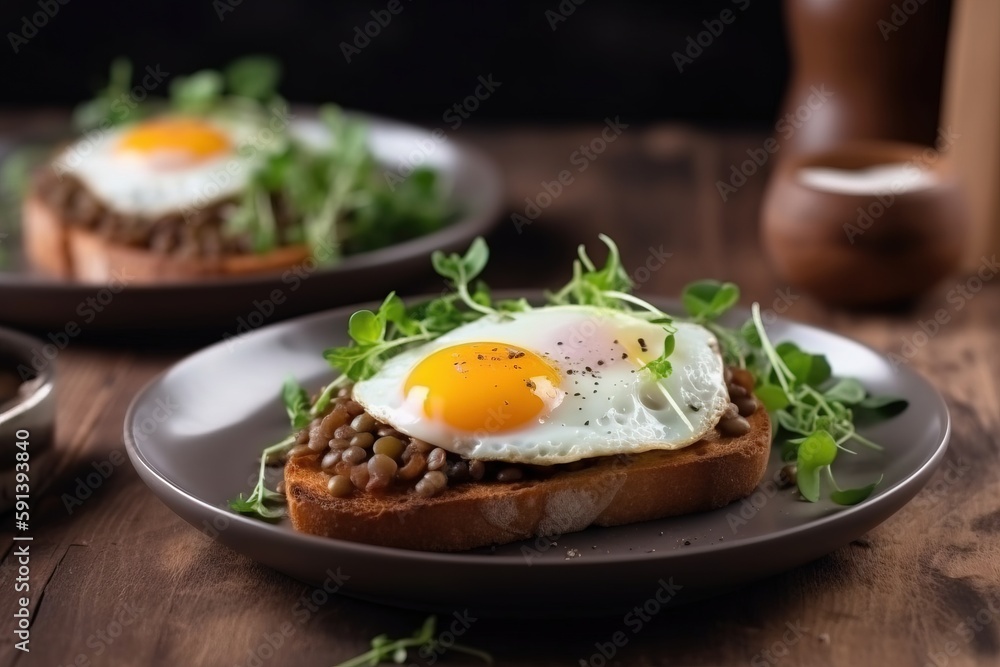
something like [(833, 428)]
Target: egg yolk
[(490, 387), (193, 138)]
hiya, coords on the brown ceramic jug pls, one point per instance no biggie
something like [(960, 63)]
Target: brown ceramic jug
[(851, 214), (879, 64)]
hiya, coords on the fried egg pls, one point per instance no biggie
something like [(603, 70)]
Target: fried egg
[(551, 385), (166, 164)]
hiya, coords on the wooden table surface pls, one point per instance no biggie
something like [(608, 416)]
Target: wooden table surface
[(123, 581)]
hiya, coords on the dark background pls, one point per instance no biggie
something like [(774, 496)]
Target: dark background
[(605, 58)]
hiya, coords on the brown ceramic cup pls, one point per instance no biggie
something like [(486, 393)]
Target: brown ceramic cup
[(850, 241)]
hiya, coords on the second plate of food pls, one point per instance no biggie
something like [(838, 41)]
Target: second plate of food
[(467, 181), (226, 407)]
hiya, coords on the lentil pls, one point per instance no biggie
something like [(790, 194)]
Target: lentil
[(340, 486)]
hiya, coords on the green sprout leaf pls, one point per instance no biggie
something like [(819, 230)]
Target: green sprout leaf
[(296, 403), (366, 328), (612, 277), (708, 299), (463, 269), (880, 407), (106, 107), (854, 496), (255, 77), (661, 368), (846, 390), (607, 287), (424, 640), (257, 503), (394, 310), (197, 92), (772, 396), (811, 369), (816, 452), (748, 332)]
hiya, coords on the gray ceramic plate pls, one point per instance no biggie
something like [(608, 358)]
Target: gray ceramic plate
[(469, 178), (195, 432)]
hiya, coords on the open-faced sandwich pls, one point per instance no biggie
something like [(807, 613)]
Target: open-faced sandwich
[(466, 421), (220, 179)]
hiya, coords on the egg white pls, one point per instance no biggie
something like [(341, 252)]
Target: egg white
[(133, 184), (607, 405)]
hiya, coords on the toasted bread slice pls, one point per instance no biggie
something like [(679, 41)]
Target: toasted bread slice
[(60, 249), (612, 491), (46, 239)]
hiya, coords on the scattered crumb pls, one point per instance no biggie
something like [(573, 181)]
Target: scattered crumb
[(687, 543), (572, 553), (651, 551)]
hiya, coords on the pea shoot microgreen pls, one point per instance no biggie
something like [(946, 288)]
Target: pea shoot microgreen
[(814, 413), (608, 287), (461, 270), (424, 640), (256, 504), (296, 403)]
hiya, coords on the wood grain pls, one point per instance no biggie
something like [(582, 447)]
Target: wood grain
[(123, 581)]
